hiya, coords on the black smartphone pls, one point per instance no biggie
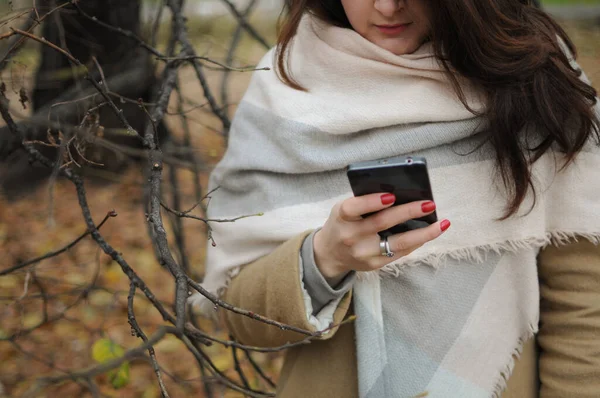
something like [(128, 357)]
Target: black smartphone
[(404, 176)]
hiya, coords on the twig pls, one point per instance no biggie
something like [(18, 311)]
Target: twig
[(220, 303), (259, 370), (9, 270), (242, 21), (124, 32), (197, 334), (33, 22), (49, 44), (212, 61), (118, 112), (201, 356), (208, 220), (188, 50), (176, 222), (235, 41), (238, 368), (88, 373), (76, 180), (187, 142), (156, 24), (138, 332)]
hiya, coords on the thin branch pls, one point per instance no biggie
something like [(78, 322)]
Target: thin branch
[(197, 334), (235, 41), (102, 90), (188, 50), (138, 332), (259, 370), (212, 61), (220, 303), (108, 249), (242, 21), (88, 373), (156, 24), (33, 21), (127, 33), (9, 270), (208, 220), (202, 357), (238, 368), (49, 44)]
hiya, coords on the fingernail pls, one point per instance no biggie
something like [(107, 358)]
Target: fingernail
[(428, 207), (388, 198), (444, 225)]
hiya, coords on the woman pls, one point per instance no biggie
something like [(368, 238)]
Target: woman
[(488, 92)]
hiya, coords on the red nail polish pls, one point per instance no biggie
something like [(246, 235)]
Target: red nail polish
[(388, 198), (444, 225), (428, 207)]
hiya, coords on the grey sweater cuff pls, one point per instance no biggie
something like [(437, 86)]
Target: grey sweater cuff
[(321, 290)]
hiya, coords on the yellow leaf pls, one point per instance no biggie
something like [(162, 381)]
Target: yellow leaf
[(105, 350)]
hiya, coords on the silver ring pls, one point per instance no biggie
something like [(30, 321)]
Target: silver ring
[(384, 248)]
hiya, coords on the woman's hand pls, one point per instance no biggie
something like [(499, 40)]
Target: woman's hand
[(348, 242)]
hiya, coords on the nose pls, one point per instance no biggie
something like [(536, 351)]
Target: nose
[(388, 8)]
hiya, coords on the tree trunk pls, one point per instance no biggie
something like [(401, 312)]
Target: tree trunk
[(126, 66)]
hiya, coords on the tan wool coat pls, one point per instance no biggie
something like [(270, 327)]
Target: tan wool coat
[(563, 361)]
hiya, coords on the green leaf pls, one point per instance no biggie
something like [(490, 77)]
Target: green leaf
[(119, 377), (105, 350)]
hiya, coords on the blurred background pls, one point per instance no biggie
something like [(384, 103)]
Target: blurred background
[(69, 312)]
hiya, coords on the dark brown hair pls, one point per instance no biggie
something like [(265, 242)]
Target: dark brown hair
[(511, 50)]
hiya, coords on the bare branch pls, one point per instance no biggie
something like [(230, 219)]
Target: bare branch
[(16, 267), (32, 21), (242, 21), (138, 332), (127, 33)]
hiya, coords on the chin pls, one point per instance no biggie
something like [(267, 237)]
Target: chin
[(401, 50)]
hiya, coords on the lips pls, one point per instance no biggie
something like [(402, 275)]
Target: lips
[(393, 30)]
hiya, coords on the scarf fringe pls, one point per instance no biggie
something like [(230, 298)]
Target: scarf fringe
[(502, 380), (478, 254), (202, 306)]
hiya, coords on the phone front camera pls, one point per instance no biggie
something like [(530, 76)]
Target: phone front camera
[(409, 160)]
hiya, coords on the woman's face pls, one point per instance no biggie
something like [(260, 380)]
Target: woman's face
[(399, 26)]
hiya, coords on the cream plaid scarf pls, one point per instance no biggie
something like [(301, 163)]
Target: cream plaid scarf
[(447, 319)]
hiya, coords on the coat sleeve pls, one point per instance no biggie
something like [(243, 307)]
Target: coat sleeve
[(569, 335), (272, 286)]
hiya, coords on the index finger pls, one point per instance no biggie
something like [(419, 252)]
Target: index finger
[(353, 208)]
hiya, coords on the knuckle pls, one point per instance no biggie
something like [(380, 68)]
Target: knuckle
[(379, 221), (433, 232), (354, 252), (342, 211), (400, 246), (414, 211), (348, 239)]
